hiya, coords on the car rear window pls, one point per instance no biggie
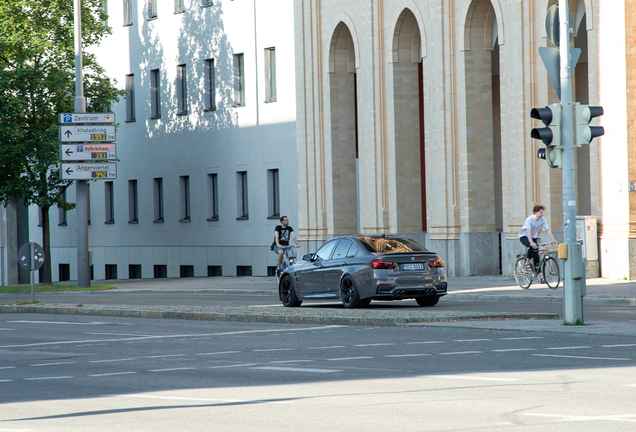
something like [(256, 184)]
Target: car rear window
[(384, 245)]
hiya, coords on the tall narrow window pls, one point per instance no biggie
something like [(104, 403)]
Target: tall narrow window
[(109, 202), (273, 195), (62, 216), (155, 90), (128, 12), (210, 85), (130, 98), (133, 202), (158, 195), (243, 210), (152, 9), (239, 80), (182, 90), (270, 75), (179, 6), (213, 194), (185, 197)]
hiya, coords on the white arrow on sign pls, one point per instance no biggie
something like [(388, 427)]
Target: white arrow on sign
[(87, 152), (90, 118), (90, 133), (86, 171)]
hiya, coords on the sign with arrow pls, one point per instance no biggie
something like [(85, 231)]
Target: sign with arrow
[(85, 152), (88, 171), (89, 133)]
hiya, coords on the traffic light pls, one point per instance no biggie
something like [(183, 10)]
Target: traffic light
[(550, 135), (585, 133)]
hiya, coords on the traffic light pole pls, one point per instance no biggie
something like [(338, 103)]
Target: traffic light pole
[(573, 284), (81, 186)]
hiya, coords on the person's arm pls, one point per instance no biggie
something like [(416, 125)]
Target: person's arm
[(294, 237), (552, 237), (530, 238), (277, 238)]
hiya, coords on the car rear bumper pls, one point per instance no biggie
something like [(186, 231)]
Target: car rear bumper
[(392, 291)]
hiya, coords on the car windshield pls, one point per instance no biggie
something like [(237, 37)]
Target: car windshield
[(384, 245)]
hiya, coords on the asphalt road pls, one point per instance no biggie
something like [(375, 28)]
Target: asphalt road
[(61, 372), (591, 312)]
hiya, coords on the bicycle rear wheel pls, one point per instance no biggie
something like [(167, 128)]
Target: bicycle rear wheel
[(550, 271), (522, 275)]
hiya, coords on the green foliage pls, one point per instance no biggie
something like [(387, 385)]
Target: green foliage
[(37, 81)]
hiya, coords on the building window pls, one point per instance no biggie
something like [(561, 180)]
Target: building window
[(186, 271), (239, 80), (158, 195), (179, 6), (62, 216), (152, 9), (160, 271), (133, 202), (130, 98), (243, 210), (110, 271), (270, 75), (128, 12), (213, 194), (273, 194), (109, 203), (184, 182), (134, 271), (210, 85), (155, 90), (182, 90)]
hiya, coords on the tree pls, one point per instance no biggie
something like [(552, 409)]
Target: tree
[(37, 81)]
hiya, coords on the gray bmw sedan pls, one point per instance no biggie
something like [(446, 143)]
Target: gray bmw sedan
[(359, 268)]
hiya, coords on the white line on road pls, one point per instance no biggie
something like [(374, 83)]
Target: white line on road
[(291, 361), (219, 353), (580, 357), (7, 367), (6, 380), (170, 369), (272, 349), (349, 358), (289, 369), (619, 417), (111, 374), (522, 338), (426, 342), (327, 347), (234, 365), (461, 352), (568, 348), (514, 349), (51, 364), (474, 378), (471, 340), (60, 322), (617, 346), (407, 355), (165, 355), (115, 334), (112, 360), (375, 344), (4, 329), (47, 378)]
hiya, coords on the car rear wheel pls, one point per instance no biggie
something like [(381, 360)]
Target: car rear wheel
[(427, 301), (349, 294), (288, 293)]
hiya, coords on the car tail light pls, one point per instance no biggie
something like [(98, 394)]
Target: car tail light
[(379, 264), (437, 263)]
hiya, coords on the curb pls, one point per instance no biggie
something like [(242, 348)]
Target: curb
[(616, 301), (271, 318)]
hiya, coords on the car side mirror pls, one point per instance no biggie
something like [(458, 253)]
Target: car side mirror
[(308, 257)]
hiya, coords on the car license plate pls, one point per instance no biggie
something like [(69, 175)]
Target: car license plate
[(416, 266)]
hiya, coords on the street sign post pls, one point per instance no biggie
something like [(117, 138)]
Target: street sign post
[(86, 152), (86, 118), (88, 171), (88, 133), (31, 257)]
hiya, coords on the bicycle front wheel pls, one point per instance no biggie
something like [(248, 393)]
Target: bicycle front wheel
[(523, 276), (550, 270)]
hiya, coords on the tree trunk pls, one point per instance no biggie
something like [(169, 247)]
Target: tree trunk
[(46, 245)]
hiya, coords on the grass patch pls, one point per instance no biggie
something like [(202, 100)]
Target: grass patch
[(53, 288)]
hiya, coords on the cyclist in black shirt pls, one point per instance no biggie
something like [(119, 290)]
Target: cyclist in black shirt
[(282, 235)]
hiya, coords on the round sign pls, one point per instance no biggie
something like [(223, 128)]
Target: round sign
[(26, 251), (552, 24)]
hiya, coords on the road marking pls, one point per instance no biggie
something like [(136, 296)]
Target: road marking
[(349, 358), (375, 344), (112, 360), (6, 381), (567, 348), (522, 338), (115, 334), (4, 329), (291, 361), (580, 357), (327, 347), (514, 349), (170, 370), (111, 374), (461, 352), (131, 339), (165, 355), (471, 340), (7, 367), (407, 355), (47, 378), (219, 353), (60, 322), (51, 364), (289, 369), (427, 342), (617, 346), (474, 378), (272, 349), (618, 417), (234, 365)]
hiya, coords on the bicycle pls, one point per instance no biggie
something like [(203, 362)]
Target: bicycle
[(289, 259), (526, 273)]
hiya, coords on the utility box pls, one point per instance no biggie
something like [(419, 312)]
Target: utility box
[(587, 237)]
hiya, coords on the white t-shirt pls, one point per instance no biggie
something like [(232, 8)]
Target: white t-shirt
[(534, 226)]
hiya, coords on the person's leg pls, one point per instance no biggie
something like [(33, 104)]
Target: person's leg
[(535, 256), (524, 241)]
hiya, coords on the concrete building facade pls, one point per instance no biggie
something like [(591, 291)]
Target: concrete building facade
[(414, 117)]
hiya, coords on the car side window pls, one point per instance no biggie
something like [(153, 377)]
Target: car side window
[(353, 250), (325, 252), (341, 250)]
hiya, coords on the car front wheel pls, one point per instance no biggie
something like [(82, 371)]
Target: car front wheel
[(288, 293)]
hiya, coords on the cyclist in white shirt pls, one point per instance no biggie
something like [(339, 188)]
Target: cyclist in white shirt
[(529, 233)]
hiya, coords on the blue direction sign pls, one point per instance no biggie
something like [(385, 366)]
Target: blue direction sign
[(85, 152), (86, 118)]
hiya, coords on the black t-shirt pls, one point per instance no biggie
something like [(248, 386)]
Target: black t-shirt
[(284, 234)]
